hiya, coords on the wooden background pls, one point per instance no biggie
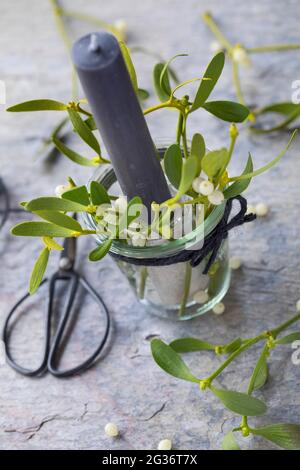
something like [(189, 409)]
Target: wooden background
[(126, 387)]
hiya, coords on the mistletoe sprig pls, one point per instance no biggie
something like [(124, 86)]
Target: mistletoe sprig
[(81, 126), (83, 123), (197, 176), (240, 55), (56, 223), (285, 435)]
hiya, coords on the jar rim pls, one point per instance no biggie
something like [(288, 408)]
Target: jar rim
[(166, 248)]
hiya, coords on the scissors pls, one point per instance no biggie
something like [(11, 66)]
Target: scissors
[(52, 346), (5, 198)]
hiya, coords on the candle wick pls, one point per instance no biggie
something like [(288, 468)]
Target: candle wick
[(94, 45)]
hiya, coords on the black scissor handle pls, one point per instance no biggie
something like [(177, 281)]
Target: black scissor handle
[(51, 352), (6, 340), (4, 192), (53, 356)]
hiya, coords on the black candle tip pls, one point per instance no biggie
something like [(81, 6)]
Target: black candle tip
[(94, 45)]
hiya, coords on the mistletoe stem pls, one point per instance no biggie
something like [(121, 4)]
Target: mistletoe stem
[(244, 423), (83, 111), (208, 19), (92, 20), (274, 48), (275, 332), (233, 136), (143, 278), (210, 22), (184, 139), (186, 288), (250, 342), (179, 128), (236, 353), (237, 83), (57, 11), (166, 104)]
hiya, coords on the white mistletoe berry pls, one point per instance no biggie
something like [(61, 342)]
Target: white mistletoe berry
[(239, 55), (216, 197), (235, 262), (138, 240), (201, 297), (219, 308), (215, 46), (60, 189), (196, 184), (121, 27), (206, 188), (165, 444), (111, 430), (261, 209)]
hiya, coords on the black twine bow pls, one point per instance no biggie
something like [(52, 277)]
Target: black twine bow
[(212, 242)]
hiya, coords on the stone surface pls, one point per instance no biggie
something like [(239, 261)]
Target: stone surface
[(126, 387)]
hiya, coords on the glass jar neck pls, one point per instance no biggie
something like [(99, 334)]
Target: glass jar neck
[(168, 247)]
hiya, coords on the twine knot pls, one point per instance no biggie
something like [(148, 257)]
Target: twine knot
[(213, 241)]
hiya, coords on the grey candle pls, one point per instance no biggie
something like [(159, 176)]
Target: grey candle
[(106, 83)]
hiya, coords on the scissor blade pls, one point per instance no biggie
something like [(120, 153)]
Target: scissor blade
[(68, 253)]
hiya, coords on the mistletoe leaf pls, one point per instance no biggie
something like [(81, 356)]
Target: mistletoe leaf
[(260, 373), (129, 65), (54, 204), (168, 360), (285, 108), (163, 90), (164, 75), (52, 244), (40, 229), (285, 435), (289, 338), (240, 403), (173, 164), (90, 122), (289, 110), (143, 94), (78, 194), (239, 187), (38, 271), (72, 155), (232, 346), (214, 163), (264, 168), (98, 253), (58, 218), (188, 173), (184, 345), (229, 442), (213, 72), (84, 131), (38, 105), (198, 149), (228, 111), (98, 194)]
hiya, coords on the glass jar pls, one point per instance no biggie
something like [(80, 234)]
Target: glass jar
[(174, 291)]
